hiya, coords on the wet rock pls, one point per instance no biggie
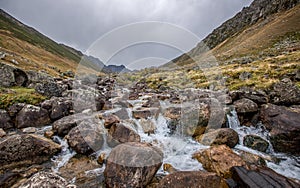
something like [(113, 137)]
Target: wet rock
[(46, 179), (151, 102), (65, 124), (221, 136), (245, 106), (219, 159), (169, 168), (86, 138), (5, 120), (145, 113), (192, 179), (77, 167), (2, 133), (110, 120), (28, 149), (32, 116), (256, 143), (148, 126), (284, 126), (49, 134), (285, 93), (8, 179), (28, 130), (259, 97), (253, 159), (119, 133), (133, 96), (260, 177), (132, 165)]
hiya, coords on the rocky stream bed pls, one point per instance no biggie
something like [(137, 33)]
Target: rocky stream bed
[(92, 132)]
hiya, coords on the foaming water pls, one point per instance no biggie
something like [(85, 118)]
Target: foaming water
[(64, 156), (178, 150), (288, 166)]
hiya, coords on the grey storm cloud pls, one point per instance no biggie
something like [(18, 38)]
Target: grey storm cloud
[(80, 23)]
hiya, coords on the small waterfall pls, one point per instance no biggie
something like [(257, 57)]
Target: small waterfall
[(64, 156), (233, 120)]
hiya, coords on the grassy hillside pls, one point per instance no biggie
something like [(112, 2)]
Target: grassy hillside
[(24, 47), (258, 56)]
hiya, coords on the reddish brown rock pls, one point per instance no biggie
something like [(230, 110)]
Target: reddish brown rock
[(110, 120), (219, 159), (192, 179)]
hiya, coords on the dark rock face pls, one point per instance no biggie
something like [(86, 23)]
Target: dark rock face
[(65, 124), (32, 116), (285, 93), (119, 133), (259, 9), (46, 179), (284, 126), (219, 159), (49, 89), (192, 179), (5, 121), (86, 138), (132, 165), (260, 177), (12, 76), (256, 143), (58, 107), (245, 106), (22, 150), (221, 136)]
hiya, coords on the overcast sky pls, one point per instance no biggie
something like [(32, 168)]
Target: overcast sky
[(79, 23)]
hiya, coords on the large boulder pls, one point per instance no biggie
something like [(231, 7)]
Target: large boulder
[(246, 110), (46, 179), (86, 138), (245, 106), (255, 142), (192, 179), (12, 76), (5, 120), (284, 126), (132, 164), (49, 89), (65, 124), (23, 150), (119, 133), (58, 107), (285, 93), (260, 177), (32, 116), (221, 136), (194, 118), (219, 159)]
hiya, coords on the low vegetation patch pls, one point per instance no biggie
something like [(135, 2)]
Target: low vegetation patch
[(9, 96)]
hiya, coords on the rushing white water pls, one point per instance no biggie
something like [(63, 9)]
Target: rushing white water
[(288, 166), (178, 150), (64, 156)]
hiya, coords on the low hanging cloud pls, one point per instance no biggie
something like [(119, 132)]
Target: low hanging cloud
[(80, 23)]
